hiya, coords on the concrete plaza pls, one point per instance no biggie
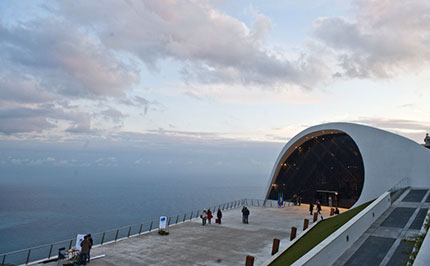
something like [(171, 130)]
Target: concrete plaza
[(190, 243)]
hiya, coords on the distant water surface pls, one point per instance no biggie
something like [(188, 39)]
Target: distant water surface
[(37, 211)]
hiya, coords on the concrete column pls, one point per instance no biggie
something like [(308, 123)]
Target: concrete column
[(315, 217), (293, 233), (275, 246), (249, 261), (305, 224)]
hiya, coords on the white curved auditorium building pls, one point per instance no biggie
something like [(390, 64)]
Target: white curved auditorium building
[(347, 164)]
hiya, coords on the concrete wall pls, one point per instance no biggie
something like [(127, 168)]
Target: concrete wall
[(423, 256), (387, 157), (327, 252)]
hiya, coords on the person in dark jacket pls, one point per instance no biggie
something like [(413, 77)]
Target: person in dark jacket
[(245, 215), (90, 238), (318, 207), (85, 248), (311, 208), (219, 215)]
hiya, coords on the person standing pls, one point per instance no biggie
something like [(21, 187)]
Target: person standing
[(204, 217), (90, 238), (219, 215), (245, 215), (85, 248), (318, 207), (311, 208), (209, 214)]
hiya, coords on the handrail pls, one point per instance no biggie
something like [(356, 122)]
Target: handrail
[(173, 220)]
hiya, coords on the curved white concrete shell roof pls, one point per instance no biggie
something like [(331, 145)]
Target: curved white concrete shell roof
[(387, 157)]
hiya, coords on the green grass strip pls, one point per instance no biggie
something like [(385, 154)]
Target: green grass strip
[(317, 234)]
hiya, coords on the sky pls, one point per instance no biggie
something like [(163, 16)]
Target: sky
[(204, 75)]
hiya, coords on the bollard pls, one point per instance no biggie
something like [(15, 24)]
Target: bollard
[(315, 217), (275, 246), (293, 233), (331, 211), (249, 261), (305, 224)]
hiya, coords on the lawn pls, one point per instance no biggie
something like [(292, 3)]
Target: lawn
[(317, 234)]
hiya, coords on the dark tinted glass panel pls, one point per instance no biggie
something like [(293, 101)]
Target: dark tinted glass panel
[(328, 168)]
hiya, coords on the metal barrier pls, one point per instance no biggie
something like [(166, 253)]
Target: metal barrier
[(48, 251)]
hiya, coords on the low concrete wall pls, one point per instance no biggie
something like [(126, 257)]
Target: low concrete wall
[(327, 252), (423, 256)]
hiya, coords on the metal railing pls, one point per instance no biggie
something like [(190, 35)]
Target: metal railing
[(49, 251)]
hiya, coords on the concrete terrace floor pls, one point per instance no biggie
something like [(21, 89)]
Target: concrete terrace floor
[(190, 243)]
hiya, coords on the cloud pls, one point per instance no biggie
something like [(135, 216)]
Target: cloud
[(64, 58), (388, 123), (212, 46), (41, 118), (413, 129), (114, 115), (385, 38)]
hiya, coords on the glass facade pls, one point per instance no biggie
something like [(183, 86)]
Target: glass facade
[(327, 167)]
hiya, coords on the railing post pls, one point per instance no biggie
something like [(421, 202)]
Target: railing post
[(305, 224), (223, 206), (275, 247), (50, 251), (28, 256), (177, 218), (150, 227), (197, 215), (4, 258), (258, 203), (168, 221), (129, 231), (252, 203), (116, 236), (140, 229), (103, 238), (293, 233), (70, 244), (249, 261), (191, 216), (185, 215)]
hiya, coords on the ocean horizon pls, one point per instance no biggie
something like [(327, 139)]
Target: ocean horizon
[(38, 211)]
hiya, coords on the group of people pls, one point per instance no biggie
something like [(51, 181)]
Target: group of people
[(86, 245), (297, 199), (207, 215), (318, 204)]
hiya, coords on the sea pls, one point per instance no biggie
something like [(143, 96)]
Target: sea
[(36, 211)]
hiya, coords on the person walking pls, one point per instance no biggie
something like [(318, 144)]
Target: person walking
[(245, 215), (209, 215), (85, 248), (318, 207), (219, 215), (204, 217), (90, 238), (311, 208)]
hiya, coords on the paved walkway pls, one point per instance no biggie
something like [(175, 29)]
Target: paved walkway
[(382, 243), (190, 243)]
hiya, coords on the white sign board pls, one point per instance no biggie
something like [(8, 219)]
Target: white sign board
[(163, 222), (79, 239)]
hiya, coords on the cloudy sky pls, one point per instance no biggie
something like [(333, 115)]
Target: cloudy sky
[(209, 70)]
